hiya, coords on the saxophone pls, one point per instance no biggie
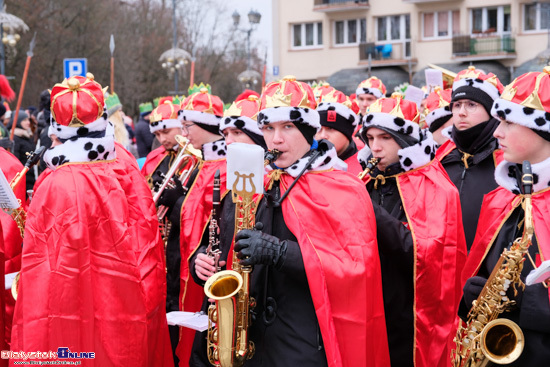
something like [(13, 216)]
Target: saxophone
[(485, 338), (228, 343)]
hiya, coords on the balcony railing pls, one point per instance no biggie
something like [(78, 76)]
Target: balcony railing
[(466, 45), (385, 53), (339, 5)]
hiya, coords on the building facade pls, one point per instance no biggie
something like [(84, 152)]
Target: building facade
[(344, 41)]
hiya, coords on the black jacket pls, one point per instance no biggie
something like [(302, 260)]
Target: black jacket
[(475, 180), (396, 251), (144, 137), (284, 329)]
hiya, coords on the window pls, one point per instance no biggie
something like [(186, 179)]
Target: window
[(307, 35), (440, 24), (490, 20), (393, 28), (350, 32), (536, 16)]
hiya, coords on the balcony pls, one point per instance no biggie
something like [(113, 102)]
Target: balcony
[(330, 6), (489, 47), (427, 1), (386, 54)]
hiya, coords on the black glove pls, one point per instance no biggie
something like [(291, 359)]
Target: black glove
[(170, 196), (256, 247), (472, 289)]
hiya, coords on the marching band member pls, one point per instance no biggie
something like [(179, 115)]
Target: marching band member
[(200, 116), (523, 134), (471, 157), (311, 249), (338, 119), (368, 92), (238, 125), (420, 266), (11, 239), (92, 274)]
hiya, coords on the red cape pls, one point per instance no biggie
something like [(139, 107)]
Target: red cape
[(152, 161), (497, 207), (195, 214), (12, 241), (342, 264), (93, 276), (432, 205), (354, 167)]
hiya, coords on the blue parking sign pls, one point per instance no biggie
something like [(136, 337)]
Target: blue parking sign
[(72, 67)]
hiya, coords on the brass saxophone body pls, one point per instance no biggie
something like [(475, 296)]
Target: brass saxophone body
[(486, 339), (228, 342)]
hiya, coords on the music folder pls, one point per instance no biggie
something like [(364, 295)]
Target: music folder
[(8, 200)]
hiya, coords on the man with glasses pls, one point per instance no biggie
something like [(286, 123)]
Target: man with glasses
[(471, 156)]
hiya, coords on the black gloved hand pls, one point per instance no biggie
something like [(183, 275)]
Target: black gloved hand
[(257, 247), (170, 196), (472, 289)]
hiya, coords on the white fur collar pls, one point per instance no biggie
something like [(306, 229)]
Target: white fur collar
[(326, 160), (214, 150), (505, 176), (410, 157), (82, 149), (447, 132)]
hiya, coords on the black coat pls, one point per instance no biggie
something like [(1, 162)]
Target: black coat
[(284, 329), (144, 137), (396, 251), (472, 182)]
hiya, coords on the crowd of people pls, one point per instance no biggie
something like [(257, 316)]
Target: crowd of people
[(379, 225)]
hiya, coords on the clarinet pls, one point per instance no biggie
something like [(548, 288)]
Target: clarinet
[(271, 156), (213, 250)]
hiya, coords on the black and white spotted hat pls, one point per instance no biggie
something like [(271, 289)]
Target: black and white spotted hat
[(243, 115), (164, 116), (477, 86), (526, 101), (290, 100)]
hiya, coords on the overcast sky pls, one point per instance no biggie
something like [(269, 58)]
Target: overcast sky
[(262, 35)]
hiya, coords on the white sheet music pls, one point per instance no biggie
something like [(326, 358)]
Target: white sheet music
[(539, 274), (193, 320), (8, 200), (434, 78), (8, 279)]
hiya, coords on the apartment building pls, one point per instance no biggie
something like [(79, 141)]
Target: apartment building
[(345, 41)]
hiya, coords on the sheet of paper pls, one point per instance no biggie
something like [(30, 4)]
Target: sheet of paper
[(8, 200), (8, 279), (539, 274), (414, 94), (192, 320), (434, 78)]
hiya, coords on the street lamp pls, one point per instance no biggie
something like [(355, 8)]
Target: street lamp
[(174, 59), (9, 26), (248, 77)]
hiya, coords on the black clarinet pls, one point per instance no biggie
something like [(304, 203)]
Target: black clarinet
[(213, 250)]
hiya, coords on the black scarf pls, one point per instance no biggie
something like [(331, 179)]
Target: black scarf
[(475, 138)]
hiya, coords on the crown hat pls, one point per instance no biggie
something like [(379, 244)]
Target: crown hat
[(373, 86), (204, 109), (112, 103), (338, 112), (165, 116), (288, 100), (145, 108), (77, 107), (438, 108), (243, 115), (394, 115), (477, 86), (526, 101)]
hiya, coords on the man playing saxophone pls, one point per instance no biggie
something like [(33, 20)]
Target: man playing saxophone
[(523, 134), (305, 257)]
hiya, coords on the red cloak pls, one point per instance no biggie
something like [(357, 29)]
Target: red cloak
[(497, 207), (153, 160), (195, 214), (93, 275), (342, 264), (432, 205), (354, 167), (12, 240)]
